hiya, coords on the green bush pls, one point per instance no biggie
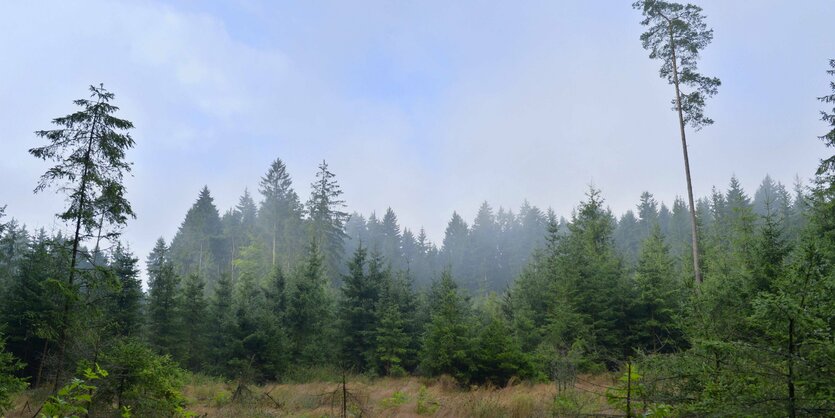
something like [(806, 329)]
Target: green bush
[(146, 383), (397, 398)]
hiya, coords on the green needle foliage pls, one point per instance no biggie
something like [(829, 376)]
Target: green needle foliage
[(89, 147), (9, 382)]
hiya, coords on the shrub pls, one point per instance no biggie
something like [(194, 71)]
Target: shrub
[(9, 384), (397, 398), (149, 384), (426, 404)]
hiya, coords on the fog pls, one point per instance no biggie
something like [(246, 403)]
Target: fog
[(427, 109)]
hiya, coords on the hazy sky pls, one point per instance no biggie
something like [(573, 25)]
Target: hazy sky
[(424, 106)]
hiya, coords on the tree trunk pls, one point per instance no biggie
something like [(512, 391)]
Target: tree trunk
[(275, 232), (40, 365), (82, 200), (693, 228), (628, 389), (792, 408)]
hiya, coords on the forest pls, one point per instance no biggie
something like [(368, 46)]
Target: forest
[(717, 305)]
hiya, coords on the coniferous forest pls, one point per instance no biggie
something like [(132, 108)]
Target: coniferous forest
[(716, 305)]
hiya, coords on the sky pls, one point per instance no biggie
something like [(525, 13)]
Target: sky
[(427, 107)]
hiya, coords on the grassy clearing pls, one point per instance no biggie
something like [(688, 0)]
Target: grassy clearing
[(385, 397)]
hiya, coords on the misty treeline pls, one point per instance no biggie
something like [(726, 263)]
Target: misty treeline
[(276, 289), (725, 309)]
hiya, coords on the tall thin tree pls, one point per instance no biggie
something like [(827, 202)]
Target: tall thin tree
[(89, 147), (676, 33)]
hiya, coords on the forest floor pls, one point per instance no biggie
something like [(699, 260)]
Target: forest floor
[(384, 397)]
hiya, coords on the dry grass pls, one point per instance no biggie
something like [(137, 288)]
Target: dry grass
[(403, 397), (390, 397)]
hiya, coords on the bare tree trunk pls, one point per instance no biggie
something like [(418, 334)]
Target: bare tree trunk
[(43, 360), (693, 229)]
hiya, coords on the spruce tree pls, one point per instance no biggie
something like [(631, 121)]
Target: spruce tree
[(392, 250), (357, 313), (126, 307), (197, 246), (164, 329), (280, 215), (327, 220), (193, 318), (455, 245), (309, 312), (589, 273), (14, 243), (10, 384), (89, 146), (826, 169), (250, 339), (276, 357), (391, 341), (659, 298), (32, 305), (497, 353), (221, 325), (484, 250), (448, 341)]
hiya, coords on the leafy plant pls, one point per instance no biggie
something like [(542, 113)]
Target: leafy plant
[(74, 399)]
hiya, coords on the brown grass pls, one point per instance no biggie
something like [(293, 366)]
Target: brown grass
[(390, 397)]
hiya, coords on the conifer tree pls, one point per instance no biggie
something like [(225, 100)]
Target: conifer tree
[(497, 353), (410, 249), (592, 276), (32, 305), (197, 246), (627, 236), (327, 220), (164, 330), (221, 326), (448, 339), (274, 323), (659, 298), (14, 243), (357, 310), (390, 337), (10, 384), (676, 35), (392, 240), (126, 309), (250, 339), (280, 215), (193, 316), (483, 248), (826, 169), (309, 312), (454, 250), (239, 229), (89, 146)]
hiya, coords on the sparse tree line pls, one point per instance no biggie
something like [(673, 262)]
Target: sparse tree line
[(724, 303)]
